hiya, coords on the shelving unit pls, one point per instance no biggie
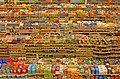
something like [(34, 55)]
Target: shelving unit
[(51, 30)]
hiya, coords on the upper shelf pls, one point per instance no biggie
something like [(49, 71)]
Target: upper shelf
[(61, 6), (58, 2)]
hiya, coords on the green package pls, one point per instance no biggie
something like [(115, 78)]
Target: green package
[(36, 0), (82, 1)]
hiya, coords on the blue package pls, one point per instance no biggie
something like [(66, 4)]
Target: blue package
[(96, 71), (90, 24), (92, 70), (27, 24), (29, 65), (4, 60), (33, 68), (85, 24), (1, 65), (61, 25), (0, 60), (96, 77), (29, 68), (95, 23), (101, 77)]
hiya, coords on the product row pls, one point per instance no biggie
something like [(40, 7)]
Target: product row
[(57, 13), (62, 1), (82, 45), (63, 12), (62, 38), (17, 66)]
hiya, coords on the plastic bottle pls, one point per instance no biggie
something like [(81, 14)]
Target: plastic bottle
[(96, 77), (92, 70), (101, 77), (96, 71)]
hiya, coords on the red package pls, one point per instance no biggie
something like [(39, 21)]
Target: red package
[(117, 77), (57, 21), (15, 68), (92, 77), (10, 61), (11, 70), (15, 59), (14, 64), (117, 71), (7, 60), (21, 65), (48, 0), (108, 0), (113, 77), (19, 71), (24, 69)]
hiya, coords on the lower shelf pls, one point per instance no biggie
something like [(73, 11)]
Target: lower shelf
[(57, 74)]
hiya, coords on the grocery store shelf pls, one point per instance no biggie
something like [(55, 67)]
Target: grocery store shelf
[(79, 74), (55, 74), (89, 25)]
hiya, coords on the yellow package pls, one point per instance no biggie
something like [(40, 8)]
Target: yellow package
[(62, 21), (70, 21)]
